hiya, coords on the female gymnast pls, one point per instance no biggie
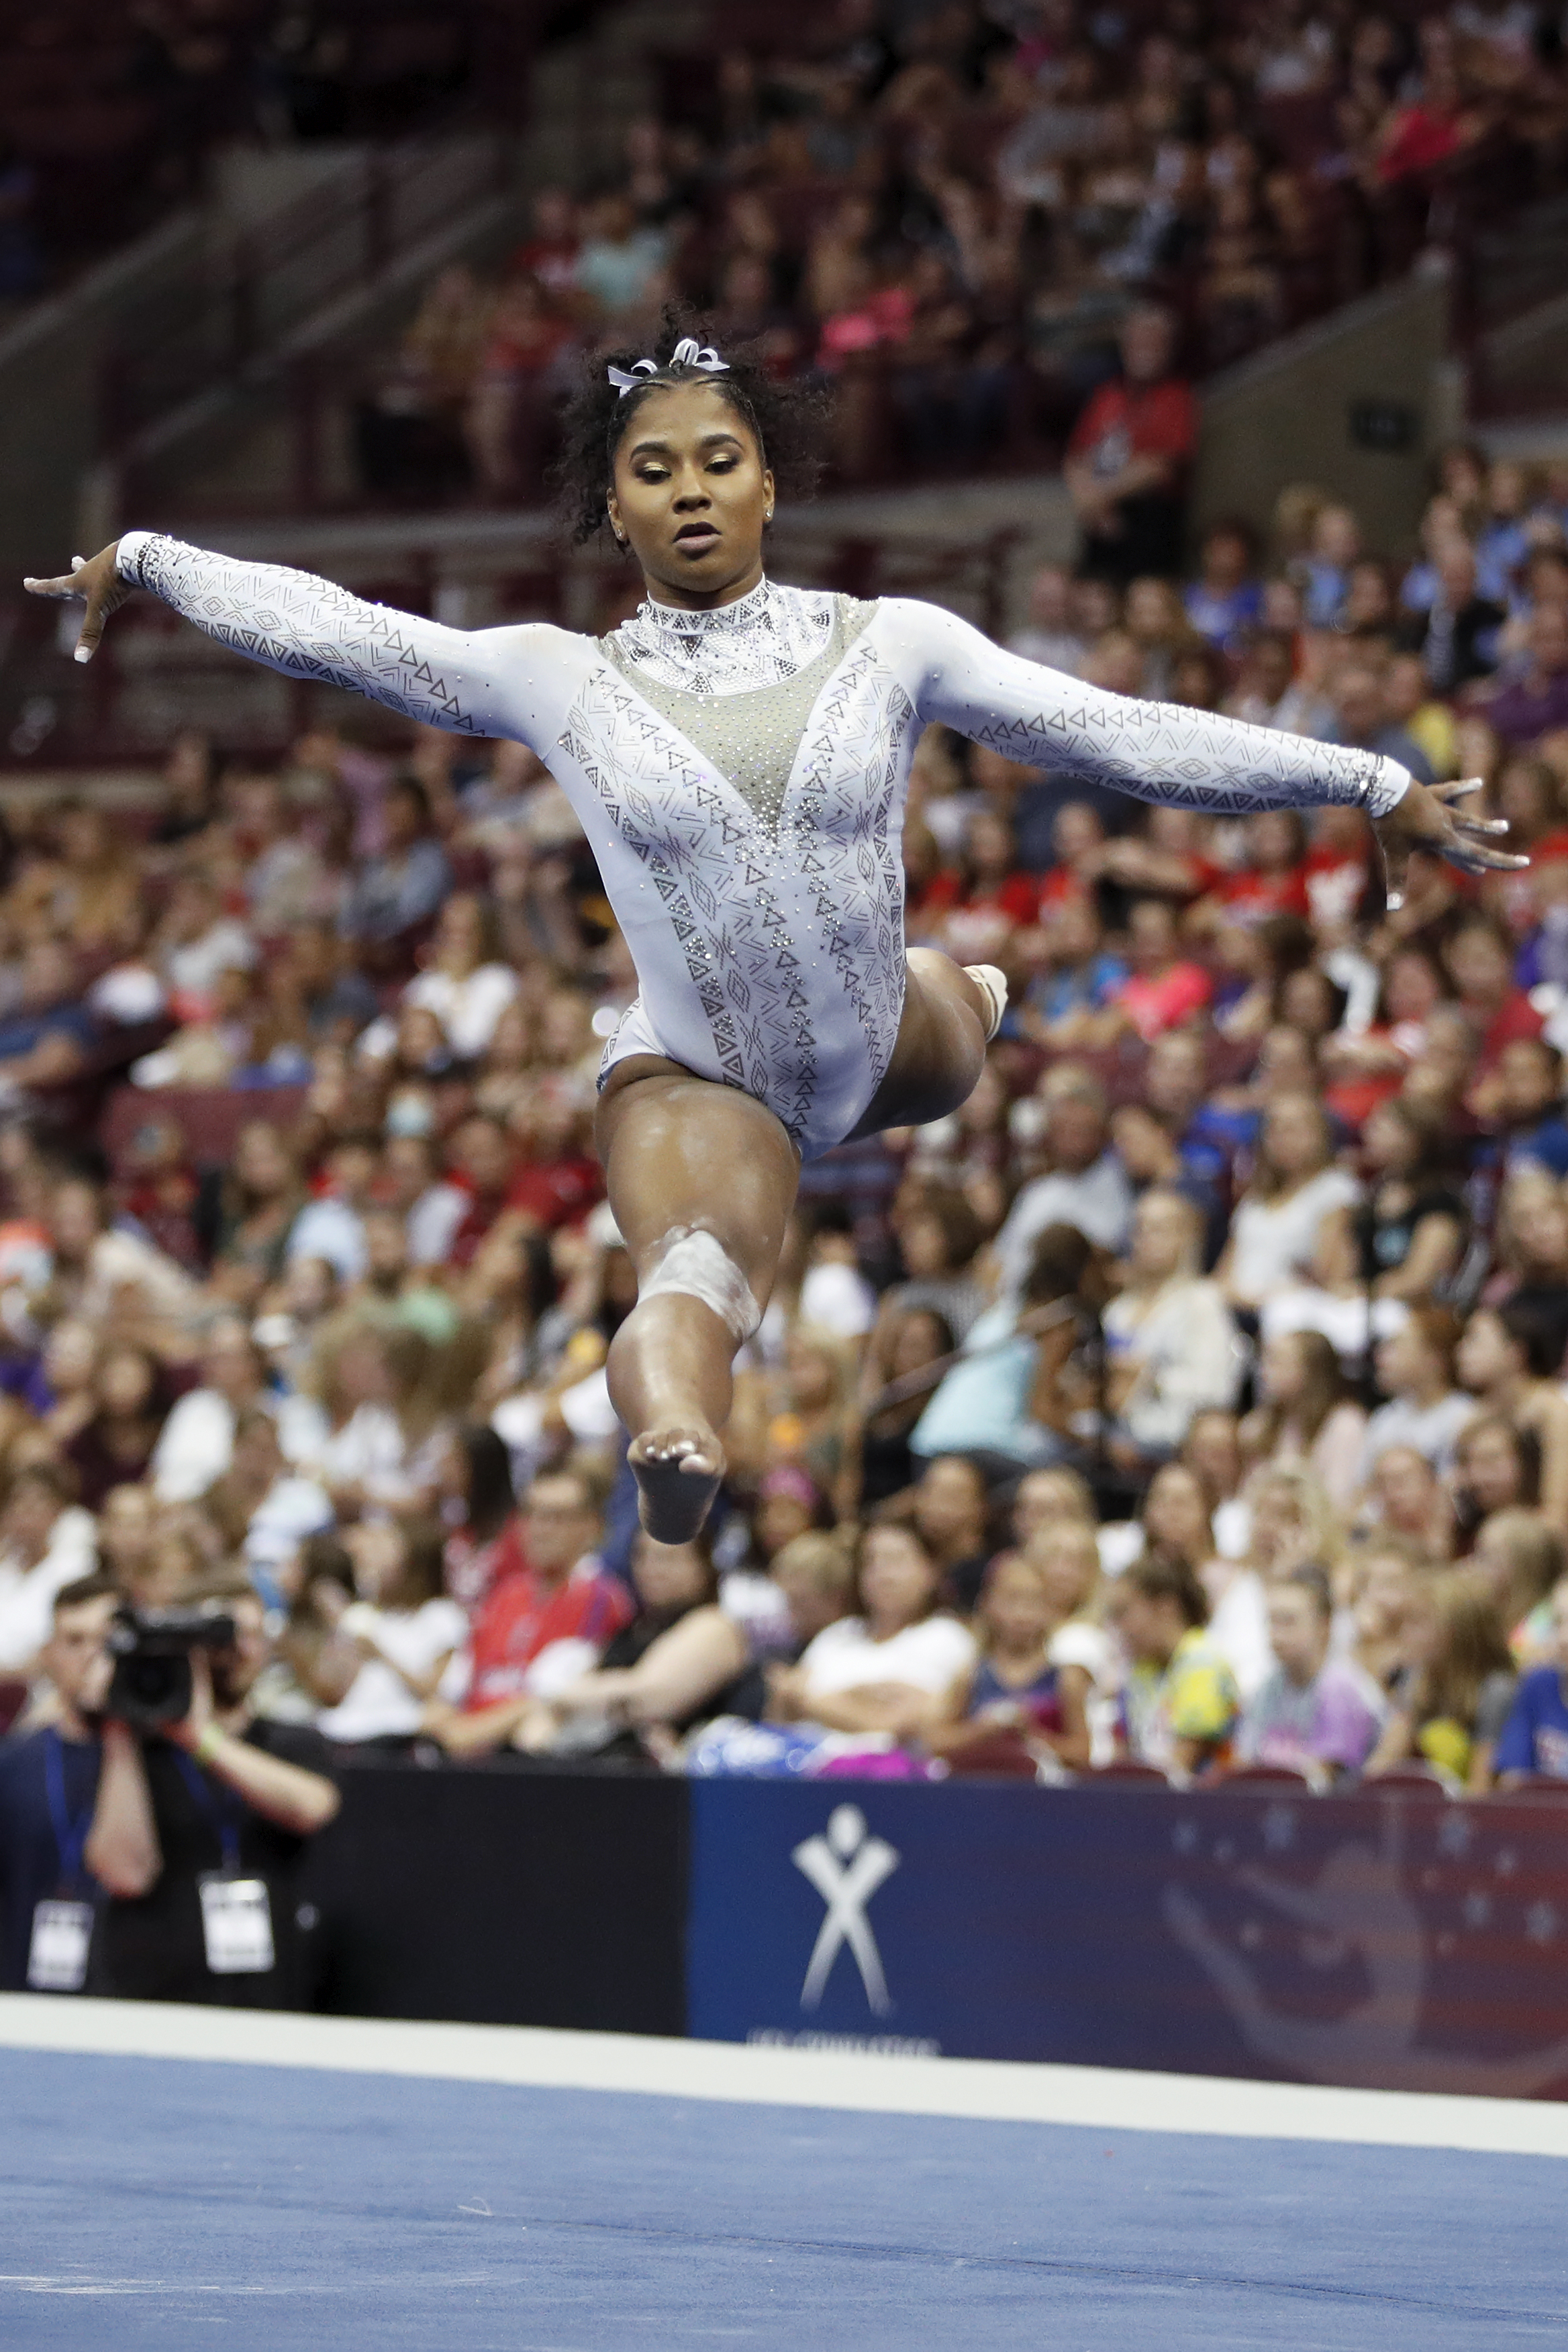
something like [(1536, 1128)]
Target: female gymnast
[(737, 753)]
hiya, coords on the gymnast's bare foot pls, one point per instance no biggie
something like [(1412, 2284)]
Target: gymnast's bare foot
[(678, 1470)]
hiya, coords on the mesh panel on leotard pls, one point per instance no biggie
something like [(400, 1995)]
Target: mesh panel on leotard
[(751, 737)]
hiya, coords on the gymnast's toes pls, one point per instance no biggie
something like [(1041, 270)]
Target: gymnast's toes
[(678, 1471)]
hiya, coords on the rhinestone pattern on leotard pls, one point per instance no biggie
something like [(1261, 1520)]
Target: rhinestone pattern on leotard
[(760, 640), (750, 736), (784, 890)]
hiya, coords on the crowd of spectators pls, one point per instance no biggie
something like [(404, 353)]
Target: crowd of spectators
[(1191, 1400), (949, 212)]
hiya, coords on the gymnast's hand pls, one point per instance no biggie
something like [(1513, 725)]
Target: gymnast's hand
[(1424, 820), (99, 584)]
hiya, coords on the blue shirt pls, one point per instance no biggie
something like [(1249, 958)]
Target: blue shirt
[(24, 1031), (983, 1404), (31, 1869), (1215, 1136), (1546, 1146), (1323, 587), (1222, 619), (393, 893), (1500, 547), (1535, 1737), (1079, 989)]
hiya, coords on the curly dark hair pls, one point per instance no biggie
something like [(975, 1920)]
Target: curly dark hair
[(786, 417)]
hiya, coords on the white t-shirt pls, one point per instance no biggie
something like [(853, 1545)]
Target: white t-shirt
[(468, 1011), (1432, 1429), (27, 1594), (195, 1444), (835, 1299), (330, 1229), (291, 1509), (1186, 1345), (1080, 1643), (1238, 1628), (379, 1703), (194, 1447), (193, 968), (432, 1224), (928, 1656), (1275, 1240), (368, 1451)]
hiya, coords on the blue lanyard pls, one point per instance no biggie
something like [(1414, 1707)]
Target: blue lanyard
[(220, 1817), (70, 1837)]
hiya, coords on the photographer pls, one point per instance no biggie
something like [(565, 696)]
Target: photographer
[(200, 1837), (49, 1783)]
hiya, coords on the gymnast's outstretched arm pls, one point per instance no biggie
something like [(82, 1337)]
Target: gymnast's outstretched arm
[(505, 681), (1161, 751)]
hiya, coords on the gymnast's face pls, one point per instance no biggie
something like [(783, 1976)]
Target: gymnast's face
[(691, 493)]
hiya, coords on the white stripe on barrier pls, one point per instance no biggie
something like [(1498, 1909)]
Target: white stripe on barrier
[(984, 2090)]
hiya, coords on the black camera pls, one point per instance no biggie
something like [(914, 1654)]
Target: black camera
[(151, 1684)]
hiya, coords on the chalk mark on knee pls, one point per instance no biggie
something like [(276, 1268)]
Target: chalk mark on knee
[(694, 1264)]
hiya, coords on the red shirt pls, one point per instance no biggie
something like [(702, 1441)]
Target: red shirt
[(481, 1215), (1516, 1017), (557, 1192), (1137, 420), (1249, 897), (1060, 884), (522, 1616), (554, 263), (1016, 895), (1423, 138), (1202, 876), (1163, 1001)]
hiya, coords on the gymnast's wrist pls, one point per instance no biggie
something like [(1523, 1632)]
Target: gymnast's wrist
[(128, 555), (1387, 788)]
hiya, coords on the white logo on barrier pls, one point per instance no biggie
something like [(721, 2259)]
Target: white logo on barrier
[(846, 1867)]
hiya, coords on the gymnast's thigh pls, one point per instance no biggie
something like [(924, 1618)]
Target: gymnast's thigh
[(938, 1053), (680, 1151)]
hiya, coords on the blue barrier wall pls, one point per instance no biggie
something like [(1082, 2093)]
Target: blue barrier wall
[(1377, 1940)]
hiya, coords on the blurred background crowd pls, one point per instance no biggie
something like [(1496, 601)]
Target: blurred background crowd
[(944, 208), (1192, 1402), (1192, 1398), (948, 214)]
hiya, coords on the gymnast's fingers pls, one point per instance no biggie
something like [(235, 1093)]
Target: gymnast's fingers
[(1395, 854), (100, 603), (65, 585)]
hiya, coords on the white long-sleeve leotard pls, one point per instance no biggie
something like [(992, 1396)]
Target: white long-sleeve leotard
[(741, 774)]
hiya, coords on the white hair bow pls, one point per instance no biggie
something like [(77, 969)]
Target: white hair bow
[(687, 352)]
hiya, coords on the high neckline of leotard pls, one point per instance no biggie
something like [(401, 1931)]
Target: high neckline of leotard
[(738, 613), (762, 639)]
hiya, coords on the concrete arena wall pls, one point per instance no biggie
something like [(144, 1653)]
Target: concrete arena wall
[(1285, 415)]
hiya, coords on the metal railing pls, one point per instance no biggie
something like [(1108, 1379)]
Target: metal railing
[(231, 319), (897, 422)]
